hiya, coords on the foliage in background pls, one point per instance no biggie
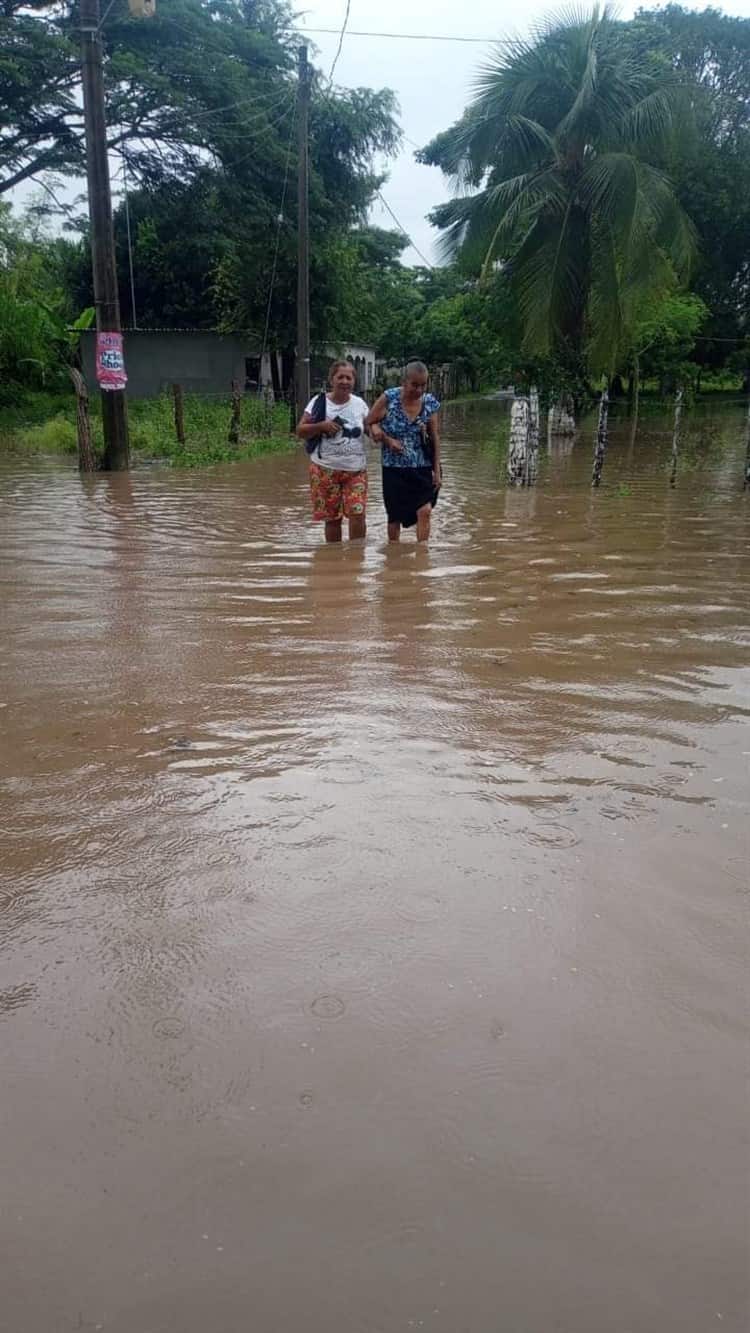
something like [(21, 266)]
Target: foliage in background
[(35, 342), (49, 427), (554, 157), (579, 144)]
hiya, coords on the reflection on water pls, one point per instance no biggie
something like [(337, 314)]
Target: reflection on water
[(372, 916)]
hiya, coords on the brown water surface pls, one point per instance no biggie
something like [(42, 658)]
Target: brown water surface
[(372, 919)]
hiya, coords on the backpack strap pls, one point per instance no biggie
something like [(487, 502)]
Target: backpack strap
[(318, 413)]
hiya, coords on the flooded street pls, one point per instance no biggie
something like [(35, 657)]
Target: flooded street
[(373, 920)]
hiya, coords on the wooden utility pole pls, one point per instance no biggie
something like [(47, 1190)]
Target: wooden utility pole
[(114, 405), (302, 363)]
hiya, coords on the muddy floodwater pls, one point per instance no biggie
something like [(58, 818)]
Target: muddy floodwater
[(373, 920)]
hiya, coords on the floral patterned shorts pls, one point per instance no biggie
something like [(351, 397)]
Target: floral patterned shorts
[(337, 494)]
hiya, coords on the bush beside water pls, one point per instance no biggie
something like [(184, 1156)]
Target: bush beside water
[(45, 424)]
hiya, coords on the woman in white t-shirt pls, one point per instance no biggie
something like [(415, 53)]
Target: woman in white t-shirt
[(338, 463)]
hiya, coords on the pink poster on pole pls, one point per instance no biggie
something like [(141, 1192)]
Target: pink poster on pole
[(110, 362)]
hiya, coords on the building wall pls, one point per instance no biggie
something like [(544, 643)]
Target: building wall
[(361, 357), (200, 362), (206, 362)]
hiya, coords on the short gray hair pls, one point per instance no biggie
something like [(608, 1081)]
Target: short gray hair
[(415, 368)]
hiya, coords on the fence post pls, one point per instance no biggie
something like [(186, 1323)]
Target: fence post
[(676, 435), (600, 446), (234, 425), (179, 413), (518, 445), (86, 460)]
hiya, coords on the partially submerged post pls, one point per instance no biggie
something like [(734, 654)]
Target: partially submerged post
[(635, 381), (179, 413), (518, 444), (676, 435), (532, 451), (234, 425), (534, 415), (600, 446), (86, 460), (560, 418)]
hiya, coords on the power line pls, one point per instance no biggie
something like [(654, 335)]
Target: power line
[(279, 224), (260, 134), (403, 230), (232, 106), (404, 36), (341, 41)]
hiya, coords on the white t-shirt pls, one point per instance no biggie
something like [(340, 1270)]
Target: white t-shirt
[(341, 452)]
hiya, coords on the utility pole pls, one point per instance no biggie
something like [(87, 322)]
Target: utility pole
[(114, 405), (302, 362)]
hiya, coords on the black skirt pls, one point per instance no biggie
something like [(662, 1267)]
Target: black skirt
[(405, 490)]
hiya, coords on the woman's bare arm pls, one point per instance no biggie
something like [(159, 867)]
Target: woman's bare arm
[(307, 427), (375, 415), (433, 427), (376, 412)]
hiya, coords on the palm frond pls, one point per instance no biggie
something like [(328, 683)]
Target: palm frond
[(546, 273)]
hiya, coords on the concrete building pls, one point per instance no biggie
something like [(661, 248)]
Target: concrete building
[(206, 362), (362, 357)]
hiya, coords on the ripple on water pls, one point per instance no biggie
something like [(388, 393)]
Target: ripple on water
[(168, 1028), (328, 1007), (551, 835)]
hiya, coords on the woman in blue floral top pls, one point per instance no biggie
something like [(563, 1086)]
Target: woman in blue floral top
[(405, 422)]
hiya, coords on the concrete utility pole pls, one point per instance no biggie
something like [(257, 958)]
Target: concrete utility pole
[(302, 363), (114, 405)]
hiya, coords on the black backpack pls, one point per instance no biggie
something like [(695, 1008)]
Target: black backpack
[(318, 413)]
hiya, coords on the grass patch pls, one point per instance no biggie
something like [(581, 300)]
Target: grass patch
[(56, 435), (45, 424)]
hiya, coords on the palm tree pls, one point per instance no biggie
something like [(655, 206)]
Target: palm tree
[(553, 164)]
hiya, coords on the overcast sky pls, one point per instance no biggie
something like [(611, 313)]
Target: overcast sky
[(432, 80)]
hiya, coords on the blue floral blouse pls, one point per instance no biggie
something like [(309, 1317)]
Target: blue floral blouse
[(397, 424)]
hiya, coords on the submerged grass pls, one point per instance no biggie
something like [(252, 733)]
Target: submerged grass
[(45, 424)]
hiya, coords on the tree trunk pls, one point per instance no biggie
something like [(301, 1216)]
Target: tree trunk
[(86, 459)]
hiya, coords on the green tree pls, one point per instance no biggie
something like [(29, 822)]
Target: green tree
[(663, 339), (554, 156), (33, 310), (708, 53)]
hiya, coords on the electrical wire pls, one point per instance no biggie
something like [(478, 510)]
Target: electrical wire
[(261, 134), (279, 224), (403, 36), (130, 240), (232, 106), (403, 230), (341, 41)]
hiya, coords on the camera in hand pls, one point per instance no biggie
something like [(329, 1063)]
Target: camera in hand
[(348, 432)]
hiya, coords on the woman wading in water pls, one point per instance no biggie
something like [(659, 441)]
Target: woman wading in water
[(335, 439), (405, 422)]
